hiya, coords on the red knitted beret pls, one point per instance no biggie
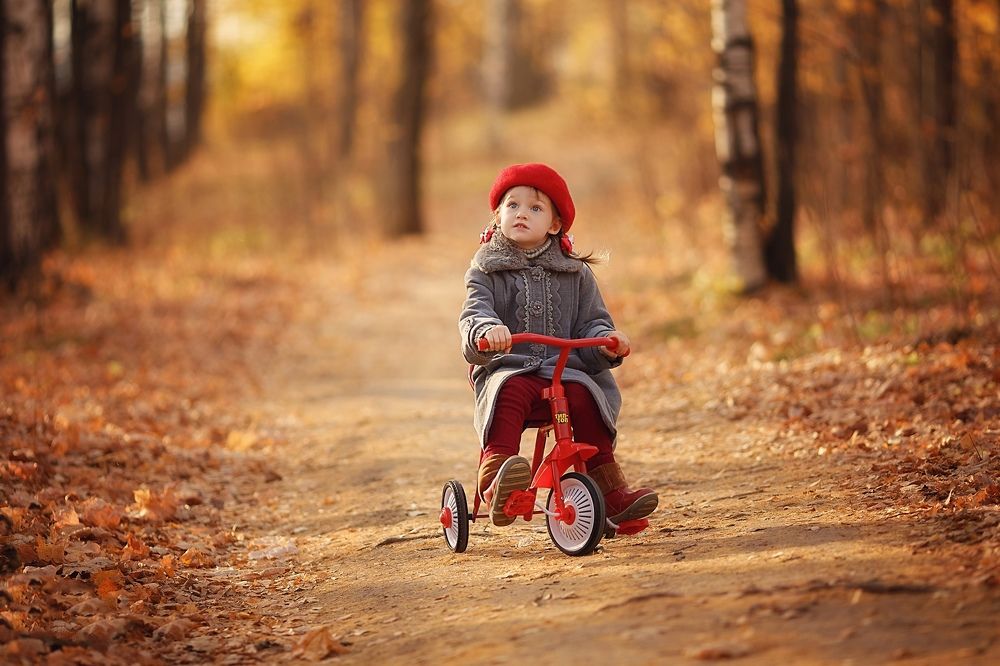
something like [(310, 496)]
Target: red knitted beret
[(541, 177)]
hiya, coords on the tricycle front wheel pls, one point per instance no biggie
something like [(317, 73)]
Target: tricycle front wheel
[(581, 531)]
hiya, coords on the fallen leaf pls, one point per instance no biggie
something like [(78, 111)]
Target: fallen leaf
[(25, 471), (101, 632), (50, 553), (98, 513), (197, 559), (89, 607), (156, 506), (109, 583), (76, 551), (134, 549), (318, 644), (64, 517), (168, 565), (174, 629), (241, 440), (24, 648), (11, 519), (715, 651)]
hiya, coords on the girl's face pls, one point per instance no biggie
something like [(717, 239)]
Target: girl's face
[(527, 217)]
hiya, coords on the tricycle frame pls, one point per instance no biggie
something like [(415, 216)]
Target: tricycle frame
[(547, 471)]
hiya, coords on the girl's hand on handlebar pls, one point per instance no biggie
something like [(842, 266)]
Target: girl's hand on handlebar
[(498, 339), (623, 348)]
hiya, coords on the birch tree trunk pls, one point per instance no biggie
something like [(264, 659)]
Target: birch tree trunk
[(779, 252), (498, 61), (501, 52), (28, 216), (737, 139), (403, 183)]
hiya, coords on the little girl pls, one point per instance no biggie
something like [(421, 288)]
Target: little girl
[(526, 278)]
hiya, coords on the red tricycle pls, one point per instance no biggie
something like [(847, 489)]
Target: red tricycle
[(574, 512)]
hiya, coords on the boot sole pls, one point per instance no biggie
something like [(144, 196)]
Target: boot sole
[(514, 474), (640, 508)]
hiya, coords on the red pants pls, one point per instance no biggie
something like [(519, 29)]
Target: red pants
[(520, 401)]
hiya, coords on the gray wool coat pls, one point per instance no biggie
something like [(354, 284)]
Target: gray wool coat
[(552, 294)]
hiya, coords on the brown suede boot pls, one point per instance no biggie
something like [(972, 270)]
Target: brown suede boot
[(499, 476), (620, 502)]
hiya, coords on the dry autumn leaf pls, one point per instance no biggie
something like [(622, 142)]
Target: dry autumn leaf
[(134, 549), (173, 630), (11, 519), (168, 565), (716, 651), (50, 553), (100, 632), (24, 649), (98, 513), (80, 551), (241, 440), (109, 582), (198, 559), (317, 645), (156, 506), (89, 607), (24, 471), (64, 516)]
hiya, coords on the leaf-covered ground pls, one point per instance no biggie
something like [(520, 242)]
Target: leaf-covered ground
[(120, 440), (213, 452)]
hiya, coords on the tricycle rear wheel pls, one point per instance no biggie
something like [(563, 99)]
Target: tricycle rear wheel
[(455, 516)]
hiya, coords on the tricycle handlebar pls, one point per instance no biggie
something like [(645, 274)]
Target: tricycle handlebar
[(517, 338)]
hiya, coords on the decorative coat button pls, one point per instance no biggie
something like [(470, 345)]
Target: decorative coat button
[(535, 308), (537, 272), (537, 349)]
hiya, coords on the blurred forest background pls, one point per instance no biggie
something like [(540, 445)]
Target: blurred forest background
[(203, 199), (846, 137)]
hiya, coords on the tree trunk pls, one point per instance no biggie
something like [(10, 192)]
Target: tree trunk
[(310, 132), (618, 18), (194, 91), (168, 125), (501, 52), (28, 214), (780, 248), (151, 99), (737, 139), (143, 38), (351, 22), (403, 200), (104, 98), (989, 141), (843, 169), (939, 121), (868, 31)]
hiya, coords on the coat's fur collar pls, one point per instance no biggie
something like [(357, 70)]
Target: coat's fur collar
[(500, 254)]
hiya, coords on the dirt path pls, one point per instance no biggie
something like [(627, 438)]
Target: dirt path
[(752, 554)]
